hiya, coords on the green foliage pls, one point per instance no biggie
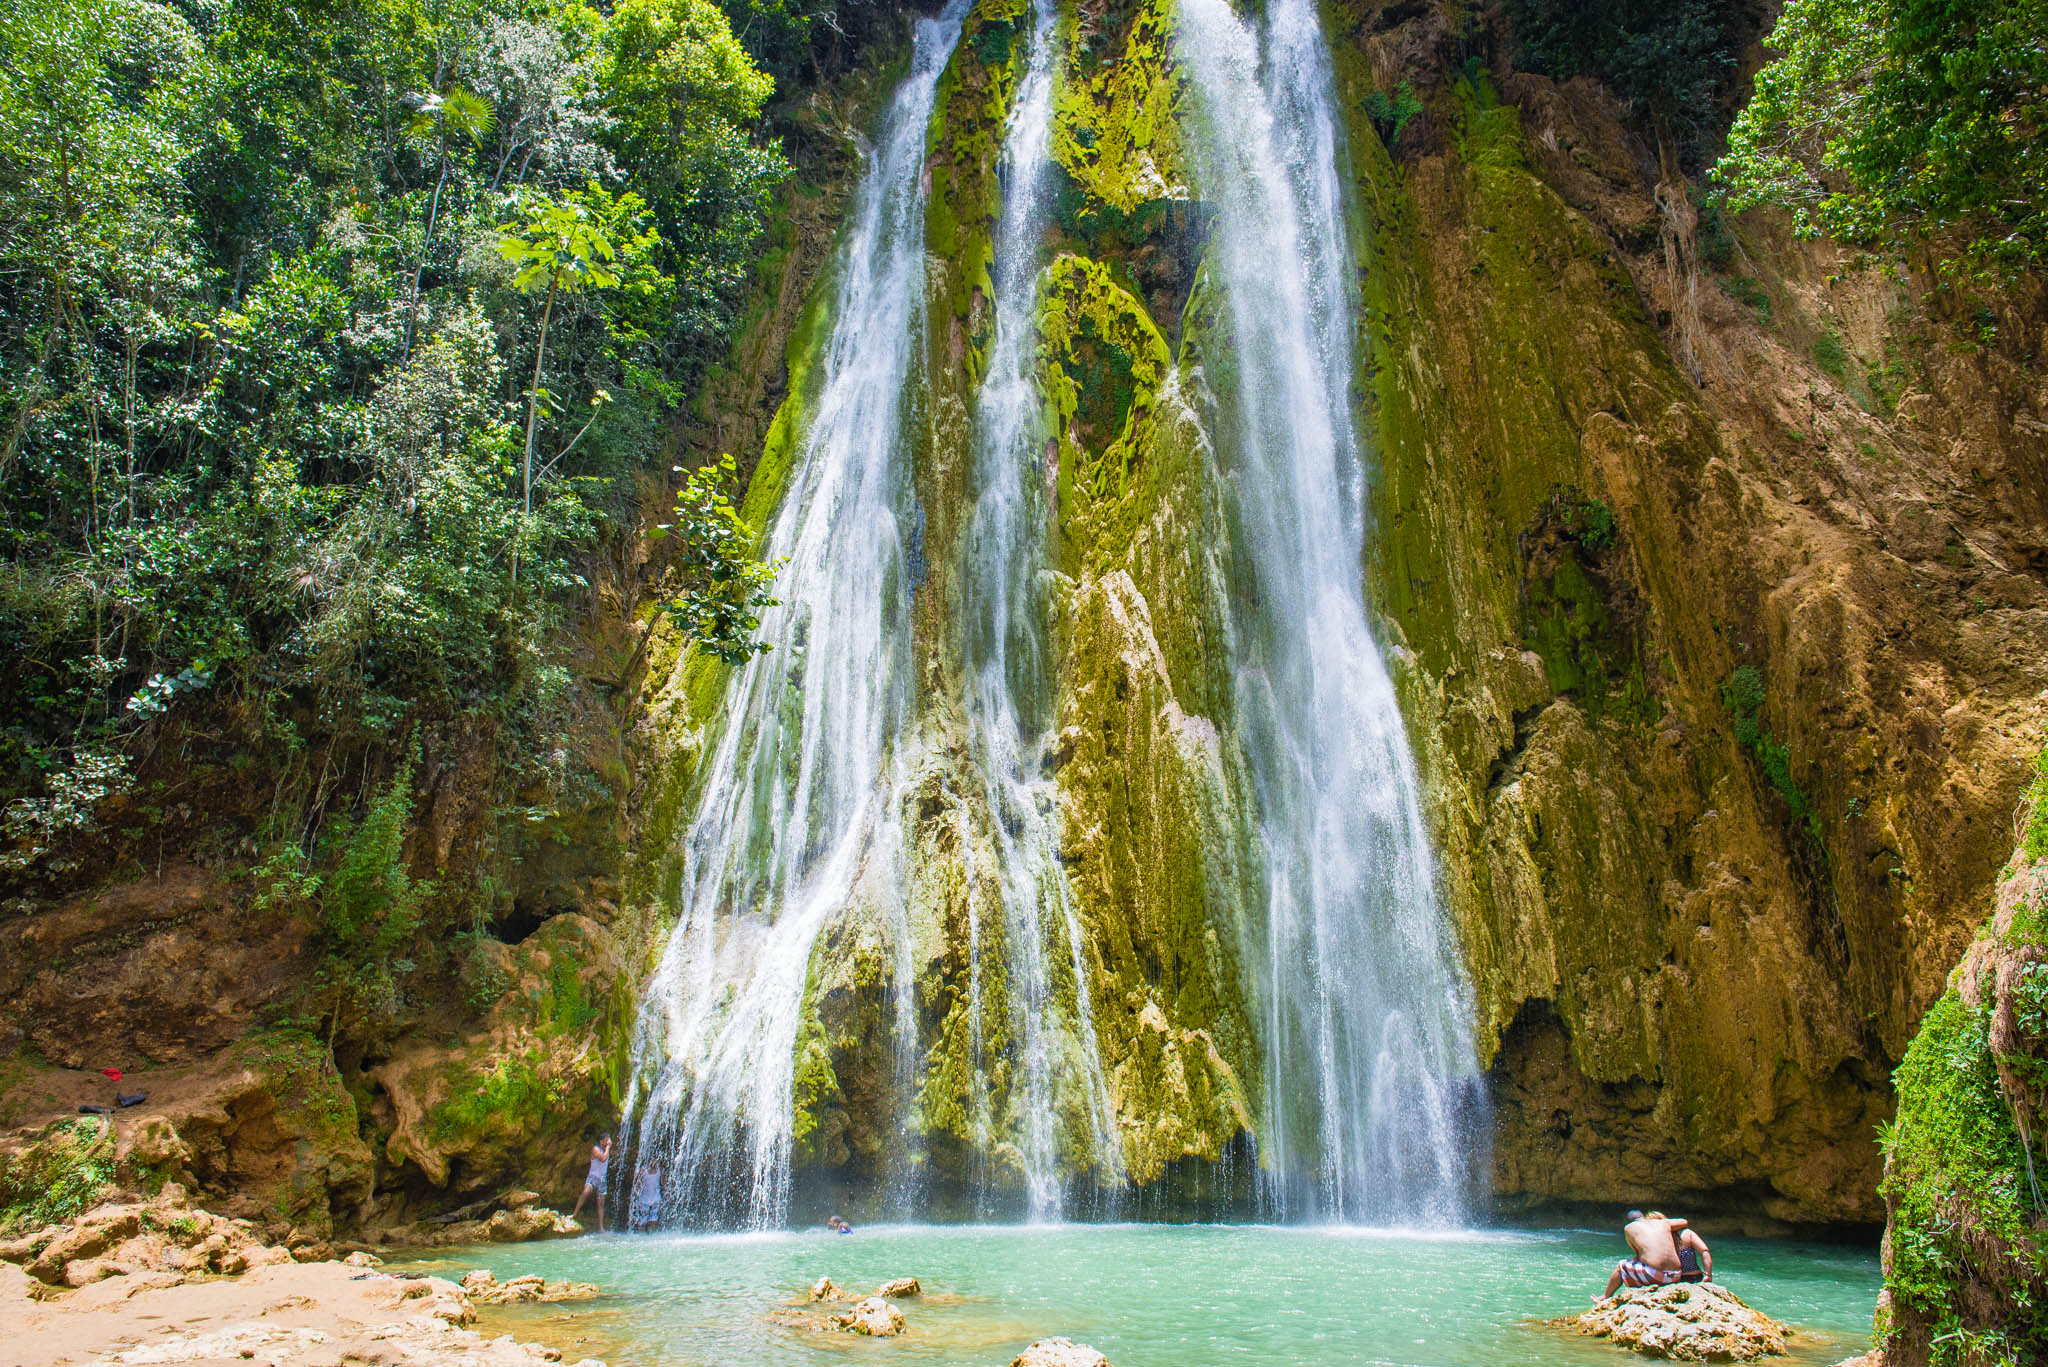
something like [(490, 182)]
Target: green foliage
[(1714, 236), (1670, 58), (62, 1174), (2035, 841), (682, 91), (1955, 1182), (1745, 289), (1901, 118), (723, 586), (1390, 113), (370, 905), (259, 471), (992, 41), (1742, 693), (1592, 525), (1829, 355)]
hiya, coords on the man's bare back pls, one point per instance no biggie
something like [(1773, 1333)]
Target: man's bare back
[(1655, 1241)]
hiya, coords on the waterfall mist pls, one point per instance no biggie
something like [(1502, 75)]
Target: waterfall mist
[(1369, 1074)]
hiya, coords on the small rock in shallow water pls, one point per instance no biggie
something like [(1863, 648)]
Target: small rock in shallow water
[(1692, 1322), (824, 1289), (874, 1317), (901, 1287), (1059, 1353)]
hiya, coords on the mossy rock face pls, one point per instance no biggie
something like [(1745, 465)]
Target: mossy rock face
[(1966, 1246), (513, 1104), (1573, 547), (55, 1173)]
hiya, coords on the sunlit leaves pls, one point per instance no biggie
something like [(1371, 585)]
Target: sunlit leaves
[(1904, 116), (722, 585)]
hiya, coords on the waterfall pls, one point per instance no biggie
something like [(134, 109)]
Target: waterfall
[(1010, 694), (838, 790), (1363, 1007), (800, 811)]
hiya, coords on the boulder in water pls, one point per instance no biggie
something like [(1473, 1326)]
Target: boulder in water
[(484, 1287), (522, 1223), (899, 1289), (874, 1317), (1059, 1353), (1690, 1321), (825, 1289)]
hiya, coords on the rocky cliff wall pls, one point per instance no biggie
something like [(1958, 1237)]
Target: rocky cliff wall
[(1717, 568), (1712, 563)]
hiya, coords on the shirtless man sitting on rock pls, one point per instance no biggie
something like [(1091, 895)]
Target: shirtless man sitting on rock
[(1656, 1262)]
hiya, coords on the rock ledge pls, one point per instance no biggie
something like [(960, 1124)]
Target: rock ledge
[(1691, 1322)]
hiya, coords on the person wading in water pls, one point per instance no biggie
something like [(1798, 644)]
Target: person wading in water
[(1656, 1262), (593, 1182)]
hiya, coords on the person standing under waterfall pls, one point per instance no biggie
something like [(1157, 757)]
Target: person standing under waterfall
[(646, 1212), (1653, 1239), (593, 1181)]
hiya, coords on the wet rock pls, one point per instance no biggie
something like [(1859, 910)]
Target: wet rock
[(526, 1222), (874, 1317), (362, 1259), (899, 1289), (1700, 1322), (1059, 1353), (824, 1289), (483, 1287)]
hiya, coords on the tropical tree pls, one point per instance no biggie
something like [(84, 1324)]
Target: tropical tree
[(1888, 118), (582, 241)]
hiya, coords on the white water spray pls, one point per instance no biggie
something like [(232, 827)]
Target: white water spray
[(1010, 695), (1364, 1010), (800, 807)]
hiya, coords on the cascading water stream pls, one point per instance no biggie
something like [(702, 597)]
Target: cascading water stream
[(803, 791), (1369, 1058), (800, 807), (1010, 693)]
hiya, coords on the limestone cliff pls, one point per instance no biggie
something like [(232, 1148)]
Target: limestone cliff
[(1718, 573), (1713, 566)]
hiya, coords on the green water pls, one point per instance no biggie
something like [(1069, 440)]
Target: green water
[(1145, 1295)]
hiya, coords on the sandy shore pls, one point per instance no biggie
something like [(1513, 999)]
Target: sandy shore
[(281, 1314)]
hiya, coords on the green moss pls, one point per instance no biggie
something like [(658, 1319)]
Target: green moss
[(1962, 1230), (65, 1171), (510, 1093), (1116, 122), (1102, 361), (300, 1073), (1829, 355), (1743, 695)]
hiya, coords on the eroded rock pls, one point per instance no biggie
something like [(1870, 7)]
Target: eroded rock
[(899, 1289), (1698, 1322), (824, 1289), (1059, 1353), (483, 1286), (874, 1317)]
